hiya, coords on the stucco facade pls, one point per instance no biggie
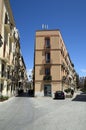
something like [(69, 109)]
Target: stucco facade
[(12, 67), (52, 64)]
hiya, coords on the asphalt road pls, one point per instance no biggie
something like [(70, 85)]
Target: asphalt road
[(42, 113)]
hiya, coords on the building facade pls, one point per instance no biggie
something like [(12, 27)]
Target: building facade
[(53, 68), (12, 66), (82, 82)]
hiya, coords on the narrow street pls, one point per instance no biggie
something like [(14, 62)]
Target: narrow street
[(43, 113)]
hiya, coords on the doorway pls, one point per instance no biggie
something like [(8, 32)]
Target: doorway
[(47, 90)]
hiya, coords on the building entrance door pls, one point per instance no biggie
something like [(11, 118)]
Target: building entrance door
[(47, 90)]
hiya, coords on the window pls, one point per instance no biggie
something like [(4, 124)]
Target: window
[(8, 74), (47, 57), (5, 40), (6, 19), (22, 74), (47, 43), (10, 47), (8, 87), (47, 71), (3, 70), (1, 87), (1, 40)]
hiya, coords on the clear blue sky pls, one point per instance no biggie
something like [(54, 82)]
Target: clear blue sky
[(67, 15)]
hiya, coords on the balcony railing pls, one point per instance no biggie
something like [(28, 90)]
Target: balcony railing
[(6, 58), (3, 74), (45, 62), (47, 78), (46, 46), (12, 35), (7, 26)]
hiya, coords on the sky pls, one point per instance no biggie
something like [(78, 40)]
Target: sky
[(69, 16)]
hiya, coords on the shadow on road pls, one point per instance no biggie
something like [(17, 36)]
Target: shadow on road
[(80, 97)]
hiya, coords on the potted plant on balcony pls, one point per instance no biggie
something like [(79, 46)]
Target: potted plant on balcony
[(47, 78)]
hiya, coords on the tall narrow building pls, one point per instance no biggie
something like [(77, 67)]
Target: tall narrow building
[(12, 67), (53, 68)]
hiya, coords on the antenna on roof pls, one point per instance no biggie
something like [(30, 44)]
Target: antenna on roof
[(45, 26), (42, 26)]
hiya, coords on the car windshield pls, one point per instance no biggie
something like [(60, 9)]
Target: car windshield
[(59, 92)]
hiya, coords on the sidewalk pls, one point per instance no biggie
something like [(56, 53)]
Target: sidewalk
[(76, 93), (8, 100)]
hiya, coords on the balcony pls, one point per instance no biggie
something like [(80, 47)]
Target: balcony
[(63, 65), (16, 34), (3, 78), (47, 62), (7, 26), (3, 74), (47, 78), (12, 35), (5, 58), (47, 48)]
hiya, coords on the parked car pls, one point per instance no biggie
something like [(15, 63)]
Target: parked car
[(20, 91), (31, 93), (59, 95)]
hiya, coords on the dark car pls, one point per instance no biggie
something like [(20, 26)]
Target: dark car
[(31, 93), (59, 95), (20, 91)]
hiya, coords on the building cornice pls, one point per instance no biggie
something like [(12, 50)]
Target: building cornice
[(8, 7)]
